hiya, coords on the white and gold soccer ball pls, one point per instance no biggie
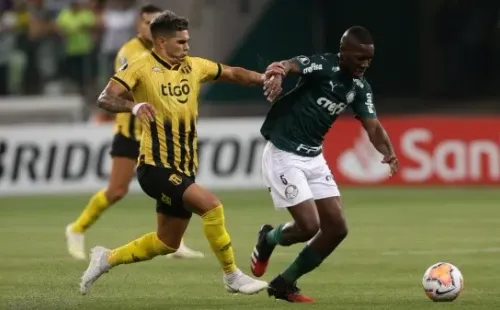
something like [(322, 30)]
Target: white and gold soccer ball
[(443, 282)]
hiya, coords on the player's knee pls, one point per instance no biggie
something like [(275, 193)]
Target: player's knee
[(211, 202), (342, 232), (335, 229), (214, 203), (200, 200), (115, 194)]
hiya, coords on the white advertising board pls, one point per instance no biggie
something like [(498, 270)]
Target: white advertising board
[(52, 159)]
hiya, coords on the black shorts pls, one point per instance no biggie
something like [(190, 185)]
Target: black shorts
[(166, 186), (124, 147)]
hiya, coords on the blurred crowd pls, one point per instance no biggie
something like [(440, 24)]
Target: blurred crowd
[(68, 46), (61, 46)]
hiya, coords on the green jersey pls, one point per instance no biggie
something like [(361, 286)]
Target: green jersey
[(299, 121)]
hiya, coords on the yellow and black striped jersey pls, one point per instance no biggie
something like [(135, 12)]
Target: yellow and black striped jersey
[(125, 123), (171, 140)]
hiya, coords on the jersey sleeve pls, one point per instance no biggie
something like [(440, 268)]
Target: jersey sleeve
[(207, 69), (315, 65), (128, 74), (363, 106)]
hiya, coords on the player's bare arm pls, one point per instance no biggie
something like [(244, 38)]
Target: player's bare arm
[(248, 77), (380, 140), (115, 98)]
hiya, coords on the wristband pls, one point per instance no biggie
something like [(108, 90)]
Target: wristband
[(136, 107)]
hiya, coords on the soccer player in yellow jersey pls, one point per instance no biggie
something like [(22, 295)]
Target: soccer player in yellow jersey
[(165, 86), (124, 149)]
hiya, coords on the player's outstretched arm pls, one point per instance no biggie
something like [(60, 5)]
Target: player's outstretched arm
[(247, 77), (295, 65), (380, 140), (113, 98)]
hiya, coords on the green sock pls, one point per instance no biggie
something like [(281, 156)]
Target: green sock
[(274, 236), (304, 263)]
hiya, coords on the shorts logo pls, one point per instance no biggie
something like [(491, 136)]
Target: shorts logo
[(175, 179), (291, 191), (165, 199)]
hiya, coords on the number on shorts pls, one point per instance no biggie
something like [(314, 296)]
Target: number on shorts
[(282, 177)]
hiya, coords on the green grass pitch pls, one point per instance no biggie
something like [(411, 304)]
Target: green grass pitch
[(395, 234)]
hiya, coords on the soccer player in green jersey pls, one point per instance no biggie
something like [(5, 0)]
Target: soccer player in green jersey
[(294, 168)]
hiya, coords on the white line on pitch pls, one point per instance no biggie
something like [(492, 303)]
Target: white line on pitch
[(430, 252)]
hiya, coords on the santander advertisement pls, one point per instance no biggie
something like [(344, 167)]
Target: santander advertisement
[(431, 150)]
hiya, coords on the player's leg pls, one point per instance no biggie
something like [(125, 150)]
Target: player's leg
[(124, 152), (122, 172), (289, 189), (209, 207), (172, 221), (333, 228), (332, 232), (304, 226), (165, 240)]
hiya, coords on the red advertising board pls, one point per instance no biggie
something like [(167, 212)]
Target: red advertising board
[(431, 150)]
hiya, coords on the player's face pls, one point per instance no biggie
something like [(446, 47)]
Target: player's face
[(176, 47), (143, 25), (357, 59)]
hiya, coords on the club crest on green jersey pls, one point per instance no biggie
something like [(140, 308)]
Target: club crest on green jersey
[(303, 60), (350, 97)]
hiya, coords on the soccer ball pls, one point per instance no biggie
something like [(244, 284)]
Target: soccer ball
[(443, 282)]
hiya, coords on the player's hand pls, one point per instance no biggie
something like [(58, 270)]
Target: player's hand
[(276, 68), (273, 77), (272, 87), (393, 163), (144, 111)]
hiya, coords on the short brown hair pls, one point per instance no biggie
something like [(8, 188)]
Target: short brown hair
[(168, 22)]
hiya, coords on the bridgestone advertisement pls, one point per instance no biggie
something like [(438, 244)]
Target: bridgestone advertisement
[(52, 159)]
